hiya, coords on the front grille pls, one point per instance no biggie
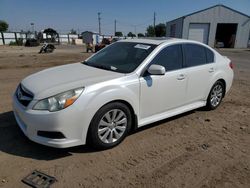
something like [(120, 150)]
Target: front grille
[(23, 95)]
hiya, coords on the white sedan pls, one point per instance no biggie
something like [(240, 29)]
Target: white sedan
[(126, 85)]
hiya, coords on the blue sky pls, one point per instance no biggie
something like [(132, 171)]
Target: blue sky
[(131, 15)]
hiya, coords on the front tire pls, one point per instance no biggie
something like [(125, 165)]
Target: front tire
[(110, 125), (215, 96)]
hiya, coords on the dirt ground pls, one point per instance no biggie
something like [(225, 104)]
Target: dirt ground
[(197, 149)]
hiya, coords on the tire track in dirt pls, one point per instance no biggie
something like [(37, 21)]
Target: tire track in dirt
[(150, 160)]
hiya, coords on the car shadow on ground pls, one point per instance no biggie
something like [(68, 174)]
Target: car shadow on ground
[(14, 142), (157, 123)]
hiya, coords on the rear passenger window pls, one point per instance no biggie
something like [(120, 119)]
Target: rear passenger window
[(210, 56), (194, 55), (170, 58)]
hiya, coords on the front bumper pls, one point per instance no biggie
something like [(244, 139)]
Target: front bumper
[(68, 121)]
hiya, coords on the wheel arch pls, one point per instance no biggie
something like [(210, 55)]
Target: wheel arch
[(133, 113), (211, 86), (224, 85)]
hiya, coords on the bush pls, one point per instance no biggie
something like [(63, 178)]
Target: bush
[(13, 43), (19, 42), (31, 42)]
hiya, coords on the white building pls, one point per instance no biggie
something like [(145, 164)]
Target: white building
[(218, 25)]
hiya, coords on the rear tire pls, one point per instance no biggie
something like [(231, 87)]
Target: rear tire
[(215, 96), (109, 126)]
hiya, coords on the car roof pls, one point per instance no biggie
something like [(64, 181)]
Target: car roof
[(154, 40)]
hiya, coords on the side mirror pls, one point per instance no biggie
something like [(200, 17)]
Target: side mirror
[(156, 70)]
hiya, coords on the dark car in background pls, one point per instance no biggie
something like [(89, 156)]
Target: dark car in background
[(104, 43)]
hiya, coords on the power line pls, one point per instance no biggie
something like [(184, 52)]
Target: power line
[(145, 23), (107, 23), (133, 25)]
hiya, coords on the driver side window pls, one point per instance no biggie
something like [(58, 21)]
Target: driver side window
[(170, 58)]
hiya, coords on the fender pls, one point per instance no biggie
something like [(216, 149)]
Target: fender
[(96, 96), (217, 76)]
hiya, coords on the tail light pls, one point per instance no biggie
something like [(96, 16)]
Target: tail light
[(231, 65)]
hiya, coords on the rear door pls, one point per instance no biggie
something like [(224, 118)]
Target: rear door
[(200, 67)]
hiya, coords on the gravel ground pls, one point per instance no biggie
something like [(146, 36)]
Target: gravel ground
[(196, 149)]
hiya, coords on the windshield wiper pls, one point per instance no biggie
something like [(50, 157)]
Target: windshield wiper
[(85, 63), (105, 67)]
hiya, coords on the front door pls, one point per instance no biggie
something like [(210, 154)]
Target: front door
[(160, 93)]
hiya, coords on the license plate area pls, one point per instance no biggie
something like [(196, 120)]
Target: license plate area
[(39, 180)]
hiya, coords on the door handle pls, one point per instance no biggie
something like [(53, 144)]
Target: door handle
[(211, 70), (181, 77)]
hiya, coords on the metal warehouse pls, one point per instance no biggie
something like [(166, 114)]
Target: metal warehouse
[(217, 26)]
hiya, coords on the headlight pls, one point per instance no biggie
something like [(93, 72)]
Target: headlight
[(60, 101)]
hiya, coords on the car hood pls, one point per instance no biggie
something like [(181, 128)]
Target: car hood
[(56, 80)]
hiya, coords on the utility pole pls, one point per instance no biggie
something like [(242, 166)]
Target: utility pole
[(135, 30), (115, 28), (154, 20), (32, 28), (99, 22)]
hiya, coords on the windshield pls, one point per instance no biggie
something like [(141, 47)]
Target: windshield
[(123, 57)]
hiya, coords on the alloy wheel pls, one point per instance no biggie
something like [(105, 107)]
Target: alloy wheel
[(112, 126), (216, 95)]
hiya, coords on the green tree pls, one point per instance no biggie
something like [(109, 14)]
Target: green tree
[(140, 35), (150, 32), (118, 34), (3, 26), (40, 37), (130, 34), (53, 33), (72, 31), (160, 30)]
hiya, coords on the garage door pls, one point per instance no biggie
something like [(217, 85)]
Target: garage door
[(199, 32)]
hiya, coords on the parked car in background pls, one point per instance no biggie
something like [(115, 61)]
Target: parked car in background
[(127, 85), (104, 43), (115, 39), (219, 45)]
